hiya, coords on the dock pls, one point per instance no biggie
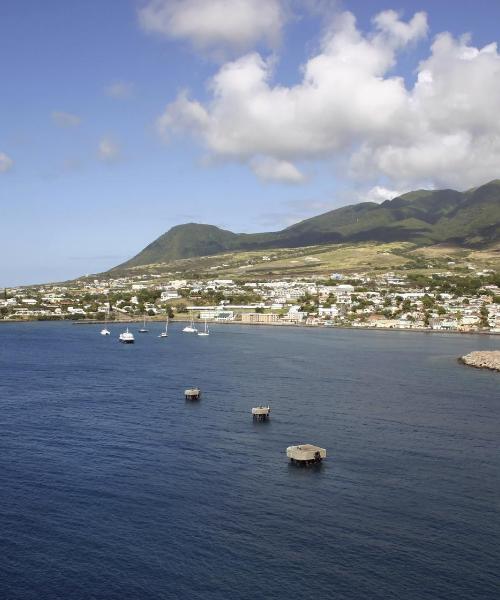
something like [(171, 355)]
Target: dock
[(192, 394), (261, 413), (305, 454)]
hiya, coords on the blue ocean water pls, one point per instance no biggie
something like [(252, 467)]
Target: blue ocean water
[(113, 487)]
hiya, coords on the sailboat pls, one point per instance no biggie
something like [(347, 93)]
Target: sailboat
[(143, 328), (205, 332), (190, 328), (164, 334), (105, 330)]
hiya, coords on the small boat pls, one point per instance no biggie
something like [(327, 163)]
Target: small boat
[(190, 328), (105, 330), (164, 334), (127, 337), (143, 328), (205, 332)]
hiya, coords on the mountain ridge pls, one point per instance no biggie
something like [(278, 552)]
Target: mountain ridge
[(424, 217)]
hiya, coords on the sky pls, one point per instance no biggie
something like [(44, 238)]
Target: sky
[(121, 119)]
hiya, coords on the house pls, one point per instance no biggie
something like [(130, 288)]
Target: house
[(343, 293), (331, 311)]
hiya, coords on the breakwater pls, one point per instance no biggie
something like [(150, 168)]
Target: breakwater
[(483, 360)]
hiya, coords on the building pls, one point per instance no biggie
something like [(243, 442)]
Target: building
[(170, 294), (261, 318)]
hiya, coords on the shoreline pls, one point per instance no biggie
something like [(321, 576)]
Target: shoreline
[(229, 323)]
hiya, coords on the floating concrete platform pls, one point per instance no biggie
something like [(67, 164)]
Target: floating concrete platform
[(261, 413), (192, 394), (305, 454)]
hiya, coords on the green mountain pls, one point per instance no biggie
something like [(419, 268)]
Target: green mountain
[(423, 217)]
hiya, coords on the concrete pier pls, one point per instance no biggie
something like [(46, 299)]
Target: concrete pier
[(261, 413), (192, 394), (305, 454)]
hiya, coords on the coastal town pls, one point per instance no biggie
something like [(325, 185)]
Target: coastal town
[(442, 301)]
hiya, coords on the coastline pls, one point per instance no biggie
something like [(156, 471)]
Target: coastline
[(270, 325)]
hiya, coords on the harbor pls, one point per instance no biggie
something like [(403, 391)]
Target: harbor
[(101, 451)]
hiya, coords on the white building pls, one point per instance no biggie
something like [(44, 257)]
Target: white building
[(170, 294)]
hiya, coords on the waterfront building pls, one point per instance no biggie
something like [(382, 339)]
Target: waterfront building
[(261, 318)]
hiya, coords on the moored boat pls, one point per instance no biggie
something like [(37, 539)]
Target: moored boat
[(127, 337), (206, 330), (190, 328), (164, 334)]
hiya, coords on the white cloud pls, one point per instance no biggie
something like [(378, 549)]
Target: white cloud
[(108, 149), (271, 169), (65, 119), (379, 193), (452, 136), (215, 25), (349, 107), (120, 89), (6, 163), (342, 97)]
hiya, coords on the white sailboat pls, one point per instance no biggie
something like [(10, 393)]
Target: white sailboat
[(143, 328), (205, 332), (105, 330), (190, 328), (164, 334)]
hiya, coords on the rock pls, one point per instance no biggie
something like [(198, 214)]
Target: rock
[(483, 360)]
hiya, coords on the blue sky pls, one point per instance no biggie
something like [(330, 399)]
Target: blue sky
[(121, 119)]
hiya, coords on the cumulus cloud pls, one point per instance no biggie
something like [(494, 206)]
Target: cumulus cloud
[(351, 107), (65, 119), (120, 89), (271, 169), (379, 193), (342, 97), (215, 25), (108, 150), (452, 132), (6, 163)]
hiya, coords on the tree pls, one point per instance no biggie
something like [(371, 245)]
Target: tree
[(406, 306), (428, 302), (483, 314)]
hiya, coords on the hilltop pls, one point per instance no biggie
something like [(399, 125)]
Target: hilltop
[(468, 219)]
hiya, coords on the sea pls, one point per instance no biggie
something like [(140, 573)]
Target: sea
[(114, 487)]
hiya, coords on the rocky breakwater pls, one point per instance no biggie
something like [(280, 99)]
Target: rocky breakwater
[(483, 360)]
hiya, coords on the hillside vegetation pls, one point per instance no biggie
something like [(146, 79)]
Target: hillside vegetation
[(421, 218)]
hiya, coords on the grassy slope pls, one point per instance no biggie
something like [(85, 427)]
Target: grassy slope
[(321, 261), (422, 217)]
